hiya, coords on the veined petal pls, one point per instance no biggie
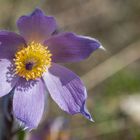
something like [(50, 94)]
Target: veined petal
[(28, 102), (9, 43), (67, 90), (7, 77), (69, 47), (36, 26)]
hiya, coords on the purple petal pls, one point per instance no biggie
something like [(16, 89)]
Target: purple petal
[(36, 26), (7, 77), (69, 47), (67, 90), (9, 43), (28, 102)]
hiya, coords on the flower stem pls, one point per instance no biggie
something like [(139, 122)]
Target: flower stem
[(6, 118)]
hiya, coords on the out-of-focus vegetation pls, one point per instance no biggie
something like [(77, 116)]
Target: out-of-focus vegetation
[(116, 23)]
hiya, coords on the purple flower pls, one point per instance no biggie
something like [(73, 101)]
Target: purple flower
[(28, 65)]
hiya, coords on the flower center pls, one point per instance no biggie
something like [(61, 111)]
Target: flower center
[(29, 66), (32, 61)]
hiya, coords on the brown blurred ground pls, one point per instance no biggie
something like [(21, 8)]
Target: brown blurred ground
[(116, 24)]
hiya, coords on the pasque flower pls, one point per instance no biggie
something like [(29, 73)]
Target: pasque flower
[(28, 65)]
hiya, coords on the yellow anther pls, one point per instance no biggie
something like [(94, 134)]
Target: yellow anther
[(32, 61)]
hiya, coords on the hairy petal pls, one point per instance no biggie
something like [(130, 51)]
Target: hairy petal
[(36, 26), (69, 47), (9, 43), (67, 90), (28, 102), (7, 77)]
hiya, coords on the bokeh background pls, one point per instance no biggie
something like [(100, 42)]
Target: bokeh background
[(112, 77)]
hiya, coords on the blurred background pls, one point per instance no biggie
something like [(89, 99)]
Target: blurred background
[(112, 77)]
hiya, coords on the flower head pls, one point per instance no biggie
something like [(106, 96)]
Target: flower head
[(32, 61), (28, 65)]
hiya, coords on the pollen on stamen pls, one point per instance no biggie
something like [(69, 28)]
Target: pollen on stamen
[(32, 61)]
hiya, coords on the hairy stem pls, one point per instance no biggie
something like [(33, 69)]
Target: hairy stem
[(6, 118)]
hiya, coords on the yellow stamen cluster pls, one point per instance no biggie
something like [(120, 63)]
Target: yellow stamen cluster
[(32, 61)]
